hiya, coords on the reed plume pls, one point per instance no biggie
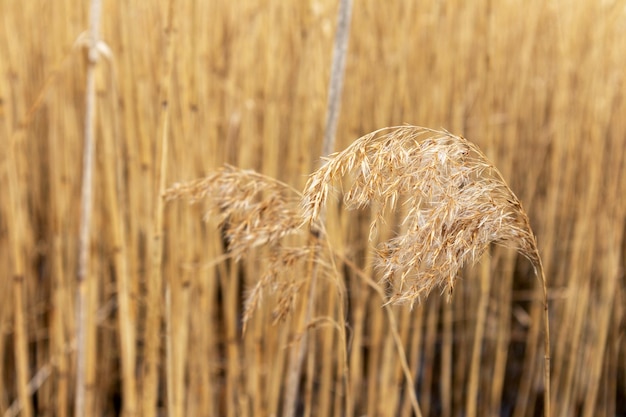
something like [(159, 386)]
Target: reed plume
[(456, 201), (251, 210)]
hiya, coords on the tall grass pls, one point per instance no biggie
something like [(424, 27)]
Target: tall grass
[(539, 87)]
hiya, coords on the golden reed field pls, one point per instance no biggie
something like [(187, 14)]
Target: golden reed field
[(173, 244)]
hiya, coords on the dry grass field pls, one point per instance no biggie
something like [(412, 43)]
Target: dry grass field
[(118, 297)]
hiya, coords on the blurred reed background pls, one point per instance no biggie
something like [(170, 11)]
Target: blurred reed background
[(538, 85)]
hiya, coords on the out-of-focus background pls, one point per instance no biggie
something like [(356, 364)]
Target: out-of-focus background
[(538, 85)]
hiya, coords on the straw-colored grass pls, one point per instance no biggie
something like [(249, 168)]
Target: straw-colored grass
[(457, 204), (183, 88)]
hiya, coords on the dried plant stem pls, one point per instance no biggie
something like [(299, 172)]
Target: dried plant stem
[(59, 331), (155, 277), (427, 373), (298, 349), (447, 341), (83, 274), (113, 184), (169, 352), (393, 326), (16, 231), (231, 287), (181, 339), (414, 353), (503, 336), (336, 301), (546, 345), (479, 331), (337, 75)]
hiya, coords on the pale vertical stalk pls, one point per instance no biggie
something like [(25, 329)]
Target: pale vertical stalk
[(524, 400), (16, 230), (403, 361), (169, 353), (430, 335), (461, 361), (231, 288), (113, 186), (409, 404), (58, 330), (326, 343), (177, 304), (446, 361), (376, 327), (92, 398), (479, 331), (310, 381), (86, 209), (393, 326), (59, 274), (335, 301), (358, 305), (546, 345), (503, 334), (298, 350), (155, 277), (4, 312), (337, 73), (182, 339), (15, 224)]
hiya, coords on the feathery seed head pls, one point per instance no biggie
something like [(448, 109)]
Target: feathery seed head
[(457, 203)]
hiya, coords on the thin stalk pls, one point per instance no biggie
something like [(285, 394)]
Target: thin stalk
[(447, 342), (503, 336), (479, 331), (298, 350), (155, 283), (15, 225), (393, 325), (113, 185), (169, 352), (546, 345), (427, 373), (58, 335), (86, 210), (337, 72)]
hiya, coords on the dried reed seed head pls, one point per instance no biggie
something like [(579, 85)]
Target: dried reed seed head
[(279, 278), (252, 209), (456, 203)]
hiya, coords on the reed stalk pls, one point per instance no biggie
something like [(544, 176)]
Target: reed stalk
[(86, 212), (155, 277), (479, 331), (19, 275)]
